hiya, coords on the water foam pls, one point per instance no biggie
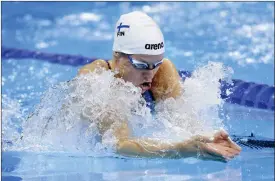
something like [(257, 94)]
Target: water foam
[(196, 111), (69, 114), (11, 120)]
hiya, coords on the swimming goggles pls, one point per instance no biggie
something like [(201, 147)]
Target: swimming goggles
[(142, 65)]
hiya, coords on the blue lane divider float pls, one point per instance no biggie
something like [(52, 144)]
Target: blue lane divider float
[(243, 93)]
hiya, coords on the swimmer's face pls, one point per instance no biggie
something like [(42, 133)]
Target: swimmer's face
[(139, 77)]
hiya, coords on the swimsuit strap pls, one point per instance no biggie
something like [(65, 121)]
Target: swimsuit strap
[(109, 66)]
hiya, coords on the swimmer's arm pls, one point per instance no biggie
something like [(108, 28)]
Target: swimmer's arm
[(219, 148), (153, 148), (194, 147)]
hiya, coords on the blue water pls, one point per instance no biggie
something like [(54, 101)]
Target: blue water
[(238, 34)]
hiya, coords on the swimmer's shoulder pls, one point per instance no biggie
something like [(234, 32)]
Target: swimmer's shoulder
[(99, 63), (167, 82)]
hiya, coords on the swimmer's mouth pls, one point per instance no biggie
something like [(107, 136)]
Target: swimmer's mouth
[(145, 86)]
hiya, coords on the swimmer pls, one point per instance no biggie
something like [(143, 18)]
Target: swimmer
[(138, 57)]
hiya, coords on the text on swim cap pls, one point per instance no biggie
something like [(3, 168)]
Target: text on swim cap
[(154, 46), (121, 33)]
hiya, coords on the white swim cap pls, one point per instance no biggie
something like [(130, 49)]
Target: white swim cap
[(137, 33)]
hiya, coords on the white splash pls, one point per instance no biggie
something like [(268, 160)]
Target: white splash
[(11, 120), (67, 116), (70, 114), (196, 111)]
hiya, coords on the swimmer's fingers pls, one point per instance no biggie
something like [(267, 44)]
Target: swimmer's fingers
[(228, 143), (223, 138), (234, 145), (233, 151), (227, 151), (224, 150), (219, 151), (208, 154), (220, 135)]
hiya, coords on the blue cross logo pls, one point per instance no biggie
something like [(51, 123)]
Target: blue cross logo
[(122, 26)]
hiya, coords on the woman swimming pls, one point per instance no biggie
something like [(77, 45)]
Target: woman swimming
[(138, 57)]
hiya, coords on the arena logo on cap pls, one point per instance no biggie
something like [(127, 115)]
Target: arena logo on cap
[(154, 46)]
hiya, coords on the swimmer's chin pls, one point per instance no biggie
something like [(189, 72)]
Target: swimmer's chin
[(144, 86), (142, 91)]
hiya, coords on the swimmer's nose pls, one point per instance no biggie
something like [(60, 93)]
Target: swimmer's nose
[(148, 73)]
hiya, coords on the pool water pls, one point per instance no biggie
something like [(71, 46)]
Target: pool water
[(239, 35), (249, 166)]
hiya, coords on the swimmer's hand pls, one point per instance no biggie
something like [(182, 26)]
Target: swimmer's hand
[(219, 148)]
